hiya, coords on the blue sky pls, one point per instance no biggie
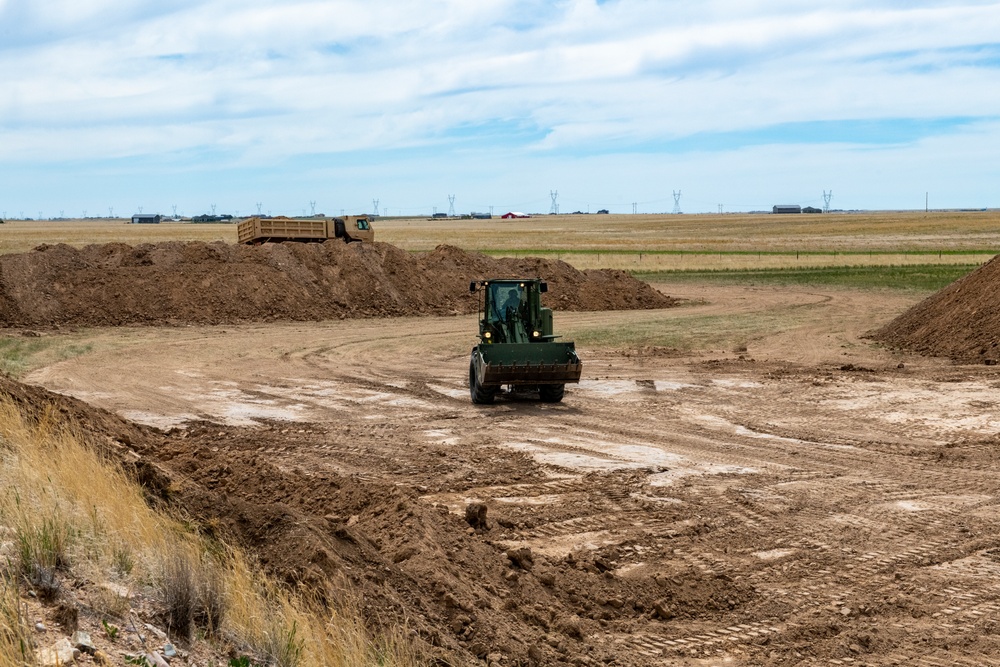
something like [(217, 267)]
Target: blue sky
[(124, 104)]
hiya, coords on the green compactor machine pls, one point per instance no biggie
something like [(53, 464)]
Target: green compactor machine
[(516, 346)]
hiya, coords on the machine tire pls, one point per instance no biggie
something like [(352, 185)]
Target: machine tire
[(480, 395), (551, 393)]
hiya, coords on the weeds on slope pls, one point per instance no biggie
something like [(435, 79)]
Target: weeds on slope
[(68, 512)]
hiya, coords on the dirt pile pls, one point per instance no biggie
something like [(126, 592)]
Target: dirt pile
[(962, 321), (217, 283), (461, 591)]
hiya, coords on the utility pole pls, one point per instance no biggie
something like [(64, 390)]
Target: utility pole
[(927, 206)]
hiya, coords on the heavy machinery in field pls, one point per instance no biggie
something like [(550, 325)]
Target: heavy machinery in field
[(516, 346), (255, 231)]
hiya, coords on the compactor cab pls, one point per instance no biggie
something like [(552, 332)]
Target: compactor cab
[(517, 347)]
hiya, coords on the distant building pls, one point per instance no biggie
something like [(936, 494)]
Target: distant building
[(440, 215), (787, 208), (812, 209), (225, 217), (514, 214), (481, 216), (146, 219), (603, 211)]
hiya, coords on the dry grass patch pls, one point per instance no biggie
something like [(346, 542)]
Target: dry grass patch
[(72, 514)]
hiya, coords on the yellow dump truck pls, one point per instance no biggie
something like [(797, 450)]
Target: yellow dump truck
[(254, 231)]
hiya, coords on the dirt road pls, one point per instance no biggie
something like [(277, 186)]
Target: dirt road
[(789, 495)]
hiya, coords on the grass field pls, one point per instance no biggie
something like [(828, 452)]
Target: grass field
[(925, 277), (642, 244)]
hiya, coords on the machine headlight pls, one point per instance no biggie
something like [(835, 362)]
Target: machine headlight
[(535, 334), (487, 335)]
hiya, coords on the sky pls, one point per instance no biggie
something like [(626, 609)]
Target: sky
[(300, 107)]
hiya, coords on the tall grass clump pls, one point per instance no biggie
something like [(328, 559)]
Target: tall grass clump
[(72, 511), (15, 635)]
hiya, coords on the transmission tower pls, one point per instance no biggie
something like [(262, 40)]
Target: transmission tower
[(827, 196), (555, 205), (174, 206), (451, 206), (111, 211), (140, 209), (635, 207), (213, 209), (312, 208), (677, 202), (375, 204)]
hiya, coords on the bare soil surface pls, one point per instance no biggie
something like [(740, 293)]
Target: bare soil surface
[(217, 283), (961, 321), (810, 499)]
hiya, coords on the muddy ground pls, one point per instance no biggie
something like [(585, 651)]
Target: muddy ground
[(805, 498)]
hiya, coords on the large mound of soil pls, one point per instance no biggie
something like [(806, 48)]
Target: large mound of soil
[(412, 564), (215, 283), (962, 321)]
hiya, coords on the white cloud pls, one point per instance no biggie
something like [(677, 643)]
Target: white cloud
[(261, 81)]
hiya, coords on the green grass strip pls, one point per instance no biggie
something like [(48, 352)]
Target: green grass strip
[(928, 277), (556, 252)]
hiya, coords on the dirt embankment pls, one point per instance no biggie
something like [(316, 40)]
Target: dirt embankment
[(217, 283), (961, 321), (410, 563)]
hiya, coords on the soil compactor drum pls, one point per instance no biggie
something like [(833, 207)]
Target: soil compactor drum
[(516, 345)]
